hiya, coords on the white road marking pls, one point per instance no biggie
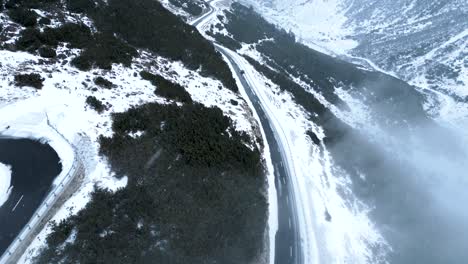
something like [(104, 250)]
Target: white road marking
[(290, 251), (289, 222), (21, 198)]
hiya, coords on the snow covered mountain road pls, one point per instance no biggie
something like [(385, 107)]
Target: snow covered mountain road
[(58, 195), (288, 241), (203, 17), (288, 246)]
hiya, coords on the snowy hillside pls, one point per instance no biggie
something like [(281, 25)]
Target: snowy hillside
[(188, 10), (318, 23), (65, 80), (377, 152), (422, 42), (313, 131)]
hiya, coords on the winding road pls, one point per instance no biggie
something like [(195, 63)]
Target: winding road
[(49, 206), (288, 246)]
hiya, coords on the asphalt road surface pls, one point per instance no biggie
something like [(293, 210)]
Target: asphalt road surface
[(288, 242), (288, 249)]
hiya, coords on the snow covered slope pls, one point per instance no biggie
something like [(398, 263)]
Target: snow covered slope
[(319, 23), (380, 155), (334, 223), (423, 42), (63, 100), (188, 10), (59, 111)]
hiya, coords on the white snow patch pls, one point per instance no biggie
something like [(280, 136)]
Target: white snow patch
[(5, 182), (320, 24)]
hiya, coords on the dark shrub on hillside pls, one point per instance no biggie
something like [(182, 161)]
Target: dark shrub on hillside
[(192, 7), (149, 77), (33, 80), (25, 17), (102, 82), (77, 35), (184, 125), (95, 104), (103, 51), (334, 127), (226, 41), (147, 24), (194, 189), (44, 21), (313, 137), (166, 88), (30, 40), (241, 21), (301, 96), (99, 50), (80, 6), (82, 63), (47, 52), (36, 4)]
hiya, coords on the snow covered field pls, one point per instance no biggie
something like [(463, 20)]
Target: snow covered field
[(5, 182), (319, 24)]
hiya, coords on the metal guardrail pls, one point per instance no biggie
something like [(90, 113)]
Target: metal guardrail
[(50, 200), (42, 210)]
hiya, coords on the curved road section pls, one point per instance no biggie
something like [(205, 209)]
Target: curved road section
[(203, 17), (288, 246), (57, 196)]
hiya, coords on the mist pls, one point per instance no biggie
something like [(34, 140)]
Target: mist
[(415, 176)]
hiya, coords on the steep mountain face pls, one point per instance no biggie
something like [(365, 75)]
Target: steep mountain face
[(397, 33), (186, 9), (393, 165), (422, 42), (318, 23)]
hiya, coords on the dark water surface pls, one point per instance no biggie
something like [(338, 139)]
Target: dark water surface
[(34, 167)]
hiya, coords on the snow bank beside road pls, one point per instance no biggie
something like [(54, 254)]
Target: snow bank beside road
[(5, 181), (350, 236), (320, 189)]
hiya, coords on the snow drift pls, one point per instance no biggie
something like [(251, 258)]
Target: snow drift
[(5, 181)]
